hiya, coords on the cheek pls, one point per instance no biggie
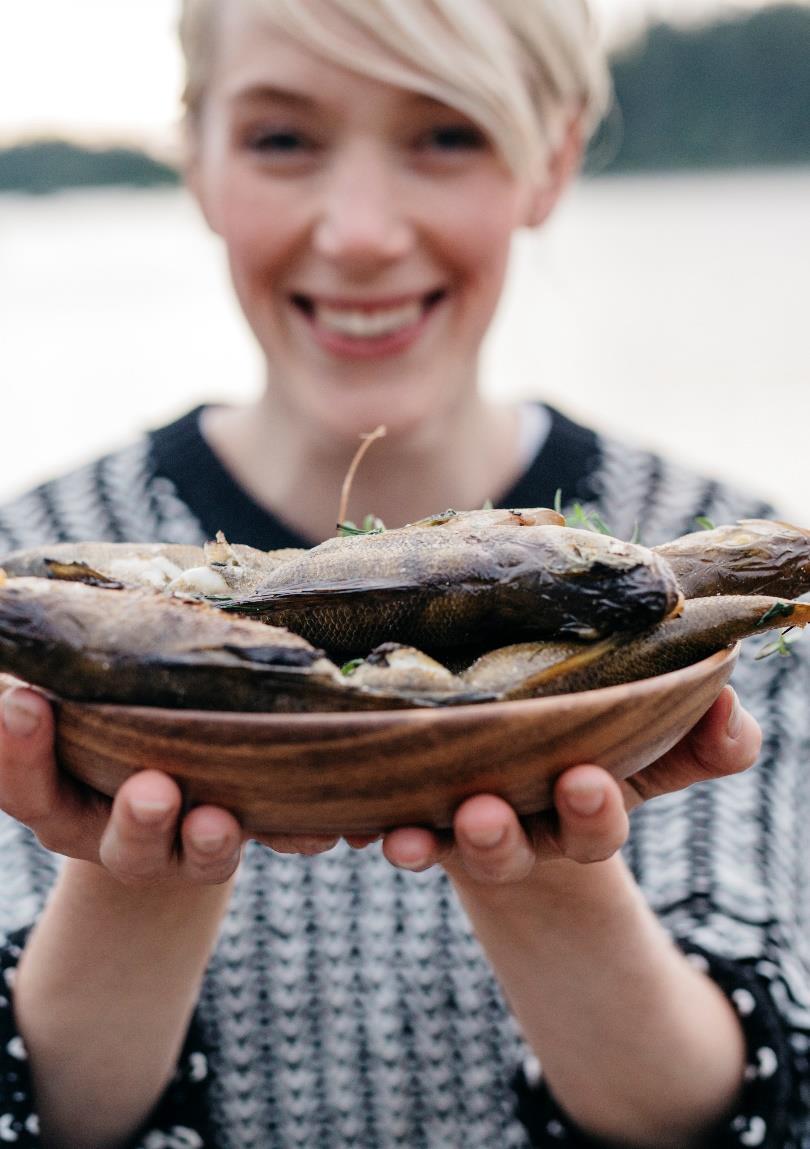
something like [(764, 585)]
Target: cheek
[(259, 229), (476, 239)]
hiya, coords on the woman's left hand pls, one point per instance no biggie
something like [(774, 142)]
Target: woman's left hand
[(589, 823)]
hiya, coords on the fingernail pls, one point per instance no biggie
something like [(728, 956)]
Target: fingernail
[(209, 844), (148, 813), (20, 716), (585, 800), (485, 838), (735, 718)]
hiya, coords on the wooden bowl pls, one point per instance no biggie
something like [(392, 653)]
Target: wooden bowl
[(370, 771)]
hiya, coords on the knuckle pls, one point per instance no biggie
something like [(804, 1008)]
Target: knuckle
[(210, 873), (132, 868)]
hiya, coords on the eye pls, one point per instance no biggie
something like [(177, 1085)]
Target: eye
[(278, 142), (455, 138)]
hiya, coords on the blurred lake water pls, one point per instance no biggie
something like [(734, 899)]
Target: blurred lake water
[(671, 309)]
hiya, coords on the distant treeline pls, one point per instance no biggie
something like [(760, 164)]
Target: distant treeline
[(735, 93), (729, 94)]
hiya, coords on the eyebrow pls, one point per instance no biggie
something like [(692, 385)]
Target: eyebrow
[(259, 93), (269, 93)]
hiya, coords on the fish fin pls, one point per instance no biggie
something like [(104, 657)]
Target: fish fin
[(286, 656), (590, 653), (308, 599), (78, 571)]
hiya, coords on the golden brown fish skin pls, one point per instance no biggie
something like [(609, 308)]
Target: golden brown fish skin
[(508, 668), (437, 589), (705, 626), (753, 556)]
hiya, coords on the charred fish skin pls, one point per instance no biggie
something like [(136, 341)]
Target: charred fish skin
[(753, 556), (437, 590), (138, 646)]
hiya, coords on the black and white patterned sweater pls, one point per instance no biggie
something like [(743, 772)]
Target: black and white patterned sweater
[(347, 1005)]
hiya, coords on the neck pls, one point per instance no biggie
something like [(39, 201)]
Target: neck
[(465, 456)]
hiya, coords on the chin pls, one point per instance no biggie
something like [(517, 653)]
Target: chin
[(347, 417)]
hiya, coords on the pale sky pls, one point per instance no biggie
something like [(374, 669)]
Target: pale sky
[(111, 69)]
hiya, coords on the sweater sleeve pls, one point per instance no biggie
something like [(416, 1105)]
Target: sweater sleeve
[(179, 1121), (725, 867), (770, 1102)]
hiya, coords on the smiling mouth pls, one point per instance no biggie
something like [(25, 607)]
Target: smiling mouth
[(367, 321)]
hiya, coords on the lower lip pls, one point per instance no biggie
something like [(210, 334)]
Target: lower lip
[(348, 347)]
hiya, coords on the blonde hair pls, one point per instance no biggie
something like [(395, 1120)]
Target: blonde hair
[(520, 69)]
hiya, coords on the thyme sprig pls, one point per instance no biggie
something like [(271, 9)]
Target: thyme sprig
[(782, 646), (371, 525), (579, 516)]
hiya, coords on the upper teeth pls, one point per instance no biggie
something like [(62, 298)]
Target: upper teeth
[(367, 324)]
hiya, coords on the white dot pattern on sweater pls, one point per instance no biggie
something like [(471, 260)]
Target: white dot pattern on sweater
[(348, 1005)]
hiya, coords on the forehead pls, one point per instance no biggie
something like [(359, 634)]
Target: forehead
[(255, 55)]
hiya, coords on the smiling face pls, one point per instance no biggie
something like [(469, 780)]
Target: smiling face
[(367, 229)]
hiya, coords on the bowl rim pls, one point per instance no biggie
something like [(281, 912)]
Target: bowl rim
[(370, 719)]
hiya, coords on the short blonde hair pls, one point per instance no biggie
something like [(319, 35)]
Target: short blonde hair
[(520, 69)]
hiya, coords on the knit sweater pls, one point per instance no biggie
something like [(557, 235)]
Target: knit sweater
[(347, 1003)]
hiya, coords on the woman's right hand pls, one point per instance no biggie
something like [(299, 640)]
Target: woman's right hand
[(142, 837)]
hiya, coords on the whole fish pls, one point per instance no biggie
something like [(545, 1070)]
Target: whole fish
[(438, 588), (140, 647), (137, 646), (753, 556), (706, 625), (216, 570), (485, 519), (153, 565)]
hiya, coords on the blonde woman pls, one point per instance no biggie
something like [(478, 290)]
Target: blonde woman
[(366, 163)]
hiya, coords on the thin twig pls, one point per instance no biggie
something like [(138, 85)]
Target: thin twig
[(367, 440)]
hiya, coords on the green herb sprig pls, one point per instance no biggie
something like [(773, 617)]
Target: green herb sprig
[(371, 525), (782, 646)]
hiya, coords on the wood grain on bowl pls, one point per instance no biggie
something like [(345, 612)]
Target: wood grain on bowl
[(370, 771)]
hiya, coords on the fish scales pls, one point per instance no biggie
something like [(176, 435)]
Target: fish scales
[(442, 589), (706, 626)]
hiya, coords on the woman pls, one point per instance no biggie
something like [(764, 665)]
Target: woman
[(366, 165)]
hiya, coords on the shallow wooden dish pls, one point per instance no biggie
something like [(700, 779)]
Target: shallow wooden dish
[(369, 771)]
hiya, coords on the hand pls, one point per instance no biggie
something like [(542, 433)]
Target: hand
[(141, 837), (490, 845)]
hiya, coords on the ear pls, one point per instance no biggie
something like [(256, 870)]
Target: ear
[(563, 166)]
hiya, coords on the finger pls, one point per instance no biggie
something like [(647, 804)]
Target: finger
[(66, 817), (211, 845), (138, 845), (490, 844), (415, 848), (307, 844), (593, 821), (360, 841), (725, 741)]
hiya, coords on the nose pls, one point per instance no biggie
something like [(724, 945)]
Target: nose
[(363, 221)]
